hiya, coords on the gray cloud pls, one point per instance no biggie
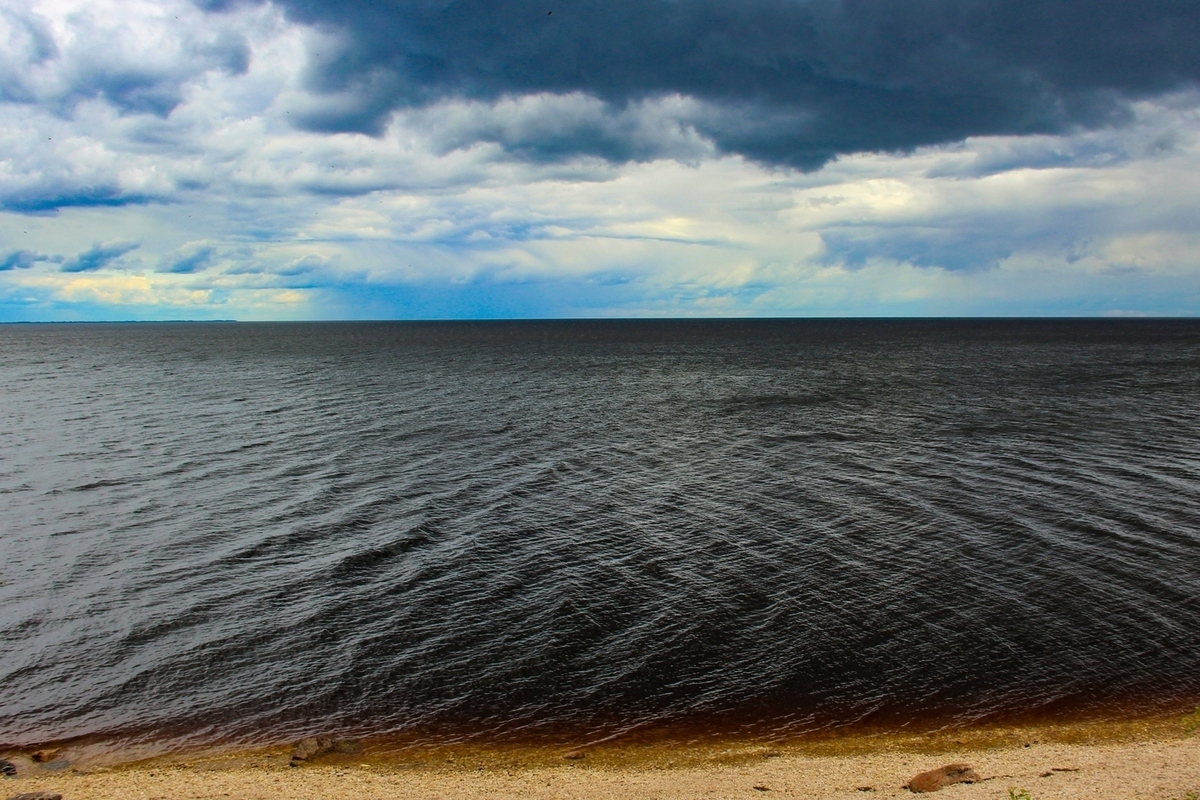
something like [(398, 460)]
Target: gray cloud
[(23, 259), (57, 193), (795, 82), (99, 59), (551, 128), (952, 247), (27, 41), (136, 85), (192, 257), (98, 256)]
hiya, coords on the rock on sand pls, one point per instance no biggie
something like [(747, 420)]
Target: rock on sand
[(942, 777), (310, 748)]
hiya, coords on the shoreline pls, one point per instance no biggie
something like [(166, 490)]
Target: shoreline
[(1140, 718), (1149, 757)]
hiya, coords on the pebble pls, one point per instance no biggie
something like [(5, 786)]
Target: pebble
[(942, 777)]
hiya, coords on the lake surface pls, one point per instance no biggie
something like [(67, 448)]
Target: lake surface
[(248, 532)]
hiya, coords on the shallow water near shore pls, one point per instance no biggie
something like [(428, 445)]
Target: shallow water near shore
[(247, 533), (667, 747)]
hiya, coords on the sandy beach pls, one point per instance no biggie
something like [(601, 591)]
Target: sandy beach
[(1157, 759)]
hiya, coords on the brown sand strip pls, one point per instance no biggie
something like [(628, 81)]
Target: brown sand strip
[(1143, 770), (1147, 757)]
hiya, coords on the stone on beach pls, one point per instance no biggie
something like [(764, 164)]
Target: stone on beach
[(310, 748), (45, 756), (7, 768), (942, 777), (305, 749)]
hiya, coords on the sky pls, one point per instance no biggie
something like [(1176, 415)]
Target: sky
[(384, 159)]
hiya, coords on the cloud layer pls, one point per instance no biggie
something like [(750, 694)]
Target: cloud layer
[(301, 159), (791, 82)]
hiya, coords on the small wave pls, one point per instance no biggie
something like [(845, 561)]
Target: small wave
[(101, 484)]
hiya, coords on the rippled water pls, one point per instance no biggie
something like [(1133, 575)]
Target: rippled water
[(243, 532)]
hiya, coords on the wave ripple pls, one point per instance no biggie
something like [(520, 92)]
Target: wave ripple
[(244, 532)]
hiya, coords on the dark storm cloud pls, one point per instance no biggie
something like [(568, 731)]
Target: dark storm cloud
[(98, 256), (793, 82)]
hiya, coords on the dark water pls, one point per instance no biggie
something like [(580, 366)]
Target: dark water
[(245, 532)]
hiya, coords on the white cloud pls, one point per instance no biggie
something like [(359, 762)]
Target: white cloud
[(175, 141)]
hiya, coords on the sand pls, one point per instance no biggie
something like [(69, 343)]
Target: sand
[(1160, 760)]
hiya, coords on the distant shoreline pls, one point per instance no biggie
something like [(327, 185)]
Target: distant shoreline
[(1113, 318)]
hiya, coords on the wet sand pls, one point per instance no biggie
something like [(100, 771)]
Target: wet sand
[(1154, 758)]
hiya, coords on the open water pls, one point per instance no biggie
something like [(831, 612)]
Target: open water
[(248, 532)]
